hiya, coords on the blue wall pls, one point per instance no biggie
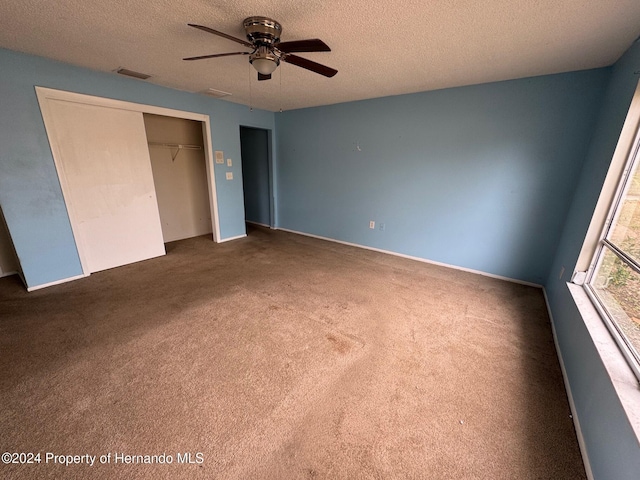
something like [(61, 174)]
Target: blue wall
[(30, 193), (612, 446), (479, 177)]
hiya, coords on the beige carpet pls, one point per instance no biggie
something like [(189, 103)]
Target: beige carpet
[(283, 357)]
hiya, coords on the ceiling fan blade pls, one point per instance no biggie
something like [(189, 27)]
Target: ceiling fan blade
[(216, 55), (264, 77), (221, 34), (311, 45), (309, 65)]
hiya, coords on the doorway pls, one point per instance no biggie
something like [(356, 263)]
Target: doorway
[(256, 175), (8, 258)]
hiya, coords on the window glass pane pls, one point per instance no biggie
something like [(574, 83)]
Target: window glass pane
[(618, 287), (625, 234)]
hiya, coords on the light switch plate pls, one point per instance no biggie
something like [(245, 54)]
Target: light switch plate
[(219, 156), (229, 162)]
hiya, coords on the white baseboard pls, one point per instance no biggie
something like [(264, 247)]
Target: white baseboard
[(258, 224), (417, 259), (232, 238), (57, 282), (567, 386), (6, 274)]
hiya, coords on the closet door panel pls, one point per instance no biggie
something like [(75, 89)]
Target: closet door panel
[(105, 171)]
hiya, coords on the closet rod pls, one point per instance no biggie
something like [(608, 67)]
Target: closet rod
[(175, 145)]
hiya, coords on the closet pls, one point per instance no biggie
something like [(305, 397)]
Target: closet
[(133, 176), (180, 176)]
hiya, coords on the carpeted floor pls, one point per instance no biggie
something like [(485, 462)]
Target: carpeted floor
[(283, 357)]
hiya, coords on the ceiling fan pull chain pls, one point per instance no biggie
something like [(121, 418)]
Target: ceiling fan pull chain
[(250, 94), (280, 90)]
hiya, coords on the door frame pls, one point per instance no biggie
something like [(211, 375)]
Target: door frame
[(45, 94)]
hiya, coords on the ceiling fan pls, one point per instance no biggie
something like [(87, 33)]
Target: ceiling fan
[(267, 51)]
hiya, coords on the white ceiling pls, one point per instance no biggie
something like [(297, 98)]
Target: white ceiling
[(378, 48)]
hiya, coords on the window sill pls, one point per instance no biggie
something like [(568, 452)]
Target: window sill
[(622, 377)]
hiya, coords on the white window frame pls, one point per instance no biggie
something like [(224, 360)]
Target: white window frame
[(617, 182)]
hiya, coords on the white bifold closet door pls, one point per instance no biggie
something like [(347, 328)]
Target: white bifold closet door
[(103, 162)]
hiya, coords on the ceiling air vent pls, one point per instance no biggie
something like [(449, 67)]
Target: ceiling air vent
[(212, 92), (131, 73)]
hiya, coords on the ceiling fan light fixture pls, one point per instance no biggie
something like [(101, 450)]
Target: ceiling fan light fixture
[(265, 66), (264, 60)]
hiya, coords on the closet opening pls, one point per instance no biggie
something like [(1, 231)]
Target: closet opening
[(178, 163)]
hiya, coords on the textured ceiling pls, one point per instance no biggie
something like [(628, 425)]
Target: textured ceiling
[(379, 49)]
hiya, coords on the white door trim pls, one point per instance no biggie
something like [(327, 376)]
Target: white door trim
[(44, 94)]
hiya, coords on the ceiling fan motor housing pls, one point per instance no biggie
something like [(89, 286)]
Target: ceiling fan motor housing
[(262, 30)]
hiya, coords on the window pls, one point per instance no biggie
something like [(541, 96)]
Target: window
[(613, 281)]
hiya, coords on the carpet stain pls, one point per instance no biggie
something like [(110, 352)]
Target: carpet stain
[(339, 345)]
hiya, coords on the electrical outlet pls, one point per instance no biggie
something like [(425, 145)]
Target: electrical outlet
[(229, 175), (372, 224), (381, 227)]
